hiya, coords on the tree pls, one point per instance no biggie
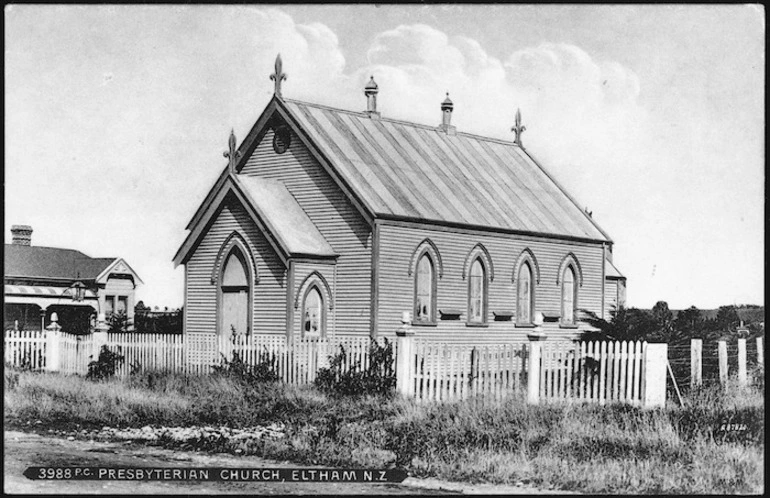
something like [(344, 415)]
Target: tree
[(689, 323), (630, 324), (727, 319)]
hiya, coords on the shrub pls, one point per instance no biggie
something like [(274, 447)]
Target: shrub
[(263, 371), (106, 365), (352, 380)]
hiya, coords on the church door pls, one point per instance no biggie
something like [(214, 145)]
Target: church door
[(234, 312)]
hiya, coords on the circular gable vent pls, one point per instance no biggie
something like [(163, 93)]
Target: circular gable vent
[(281, 139)]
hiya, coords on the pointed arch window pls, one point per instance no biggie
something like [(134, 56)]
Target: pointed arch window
[(313, 323), (477, 293), (235, 293), (569, 297), (525, 294), (425, 290)]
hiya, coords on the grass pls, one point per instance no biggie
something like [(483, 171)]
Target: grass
[(592, 449)]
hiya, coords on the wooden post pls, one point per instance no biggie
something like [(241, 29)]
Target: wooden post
[(742, 377), (760, 352), (99, 338), (723, 363), (654, 361), (696, 362), (533, 376), (53, 348), (405, 356)]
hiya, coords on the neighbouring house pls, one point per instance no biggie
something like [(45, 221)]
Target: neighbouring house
[(42, 280), (328, 222)]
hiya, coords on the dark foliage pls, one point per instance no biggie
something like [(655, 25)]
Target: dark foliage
[(264, 370), (147, 321), (106, 365), (354, 380)]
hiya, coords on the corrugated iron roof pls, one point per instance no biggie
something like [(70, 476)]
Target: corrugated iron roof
[(52, 262), (284, 216), (414, 171)]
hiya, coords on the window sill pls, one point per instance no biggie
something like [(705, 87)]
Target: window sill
[(424, 324), (476, 324)]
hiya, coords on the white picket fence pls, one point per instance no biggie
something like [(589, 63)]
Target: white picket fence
[(594, 372), (447, 372), (297, 361), (25, 348)]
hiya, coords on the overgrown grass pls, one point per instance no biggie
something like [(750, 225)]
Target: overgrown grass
[(614, 448)]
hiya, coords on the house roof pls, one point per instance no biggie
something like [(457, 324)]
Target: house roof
[(52, 263), (284, 217), (411, 171), (272, 208), (611, 271)]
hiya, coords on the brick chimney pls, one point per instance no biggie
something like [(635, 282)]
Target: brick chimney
[(22, 235)]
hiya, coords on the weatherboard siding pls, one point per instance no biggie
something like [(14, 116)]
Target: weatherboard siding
[(268, 294), (335, 217), (397, 244)]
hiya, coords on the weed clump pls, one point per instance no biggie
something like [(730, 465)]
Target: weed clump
[(105, 366), (343, 379)]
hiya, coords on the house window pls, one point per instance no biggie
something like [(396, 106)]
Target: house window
[(109, 305), (525, 294), (122, 305), (425, 284), (568, 296), (312, 314), (234, 289), (477, 293)]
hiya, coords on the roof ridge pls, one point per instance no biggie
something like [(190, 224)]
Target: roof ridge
[(363, 114)]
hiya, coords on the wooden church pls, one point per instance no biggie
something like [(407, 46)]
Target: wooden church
[(331, 223)]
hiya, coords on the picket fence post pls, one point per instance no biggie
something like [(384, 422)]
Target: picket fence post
[(53, 349), (405, 356), (654, 362), (99, 337), (536, 338)]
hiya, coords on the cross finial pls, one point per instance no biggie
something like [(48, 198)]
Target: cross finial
[(518, 129), (278, 76), (233, 154)]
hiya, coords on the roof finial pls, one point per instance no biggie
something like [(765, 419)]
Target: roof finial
[(233, 154), (446, 115), (278, 76), (518, 129), (370, 90)]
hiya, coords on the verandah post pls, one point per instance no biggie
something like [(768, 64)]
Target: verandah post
[(405, 356), (53, 348), (654, 362)]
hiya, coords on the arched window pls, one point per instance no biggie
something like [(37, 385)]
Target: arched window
[(568, 296), (477, 293), (234, 292), (313, 314), (525, 294), (425, 290)]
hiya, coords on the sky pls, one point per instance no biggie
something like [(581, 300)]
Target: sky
[(652, 117)]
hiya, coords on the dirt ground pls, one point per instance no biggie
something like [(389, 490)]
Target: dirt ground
[(24, 450)]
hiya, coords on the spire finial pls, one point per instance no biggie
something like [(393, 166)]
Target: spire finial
[(233, 154), (370, 90), (518, 128), (278, 76)]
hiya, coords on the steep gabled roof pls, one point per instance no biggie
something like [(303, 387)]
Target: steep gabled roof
[(272, 208), (52, 263), (410, 171)]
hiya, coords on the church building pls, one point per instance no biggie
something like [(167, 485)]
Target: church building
[(331, 223)]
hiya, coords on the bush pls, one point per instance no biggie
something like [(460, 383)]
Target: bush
[(106, 365), (352, 380), (263, 371)]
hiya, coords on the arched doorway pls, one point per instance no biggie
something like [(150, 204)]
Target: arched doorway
[(234, 291)]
